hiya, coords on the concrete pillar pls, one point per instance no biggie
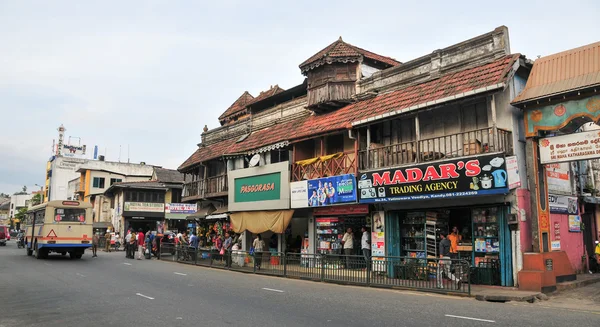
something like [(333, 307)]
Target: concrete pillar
[(538, 187)]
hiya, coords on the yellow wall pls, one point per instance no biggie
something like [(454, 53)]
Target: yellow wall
[(86, 193), (169, 196)]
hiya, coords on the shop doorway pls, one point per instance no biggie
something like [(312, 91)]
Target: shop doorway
[(295, 235), (143, 225)]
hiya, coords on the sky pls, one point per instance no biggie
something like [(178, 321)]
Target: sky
[(148, 75)]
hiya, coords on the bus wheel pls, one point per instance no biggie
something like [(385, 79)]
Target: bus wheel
[(29, 252), (38, 253)]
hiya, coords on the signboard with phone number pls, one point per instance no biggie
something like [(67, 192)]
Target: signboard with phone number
[(482, 175)]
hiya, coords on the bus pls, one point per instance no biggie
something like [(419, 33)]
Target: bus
[(59, 226)]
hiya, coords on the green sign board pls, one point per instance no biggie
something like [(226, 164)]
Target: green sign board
[(258, 188)]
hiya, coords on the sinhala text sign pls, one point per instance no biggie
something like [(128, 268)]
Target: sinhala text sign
[(571, 147), (483, 175)]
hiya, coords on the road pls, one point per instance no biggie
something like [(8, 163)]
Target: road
[(111, 290)]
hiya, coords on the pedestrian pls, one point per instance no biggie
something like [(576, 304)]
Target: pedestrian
[(597, 252), (365, 244), (140, 244), (132, 245), (259, 246), (107, 239), (445, 263), (348, 242), (454, 239), (227, 247), (127, 245), (113, 241), (95, 240)]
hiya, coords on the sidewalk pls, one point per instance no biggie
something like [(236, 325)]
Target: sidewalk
[(505, 294)]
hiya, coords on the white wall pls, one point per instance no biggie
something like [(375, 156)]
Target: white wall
[(63, 171), (18, 201)]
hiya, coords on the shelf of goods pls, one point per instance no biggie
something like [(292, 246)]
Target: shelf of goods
[(486, 243), (419, 233)]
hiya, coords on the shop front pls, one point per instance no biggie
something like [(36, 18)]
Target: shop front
[(332, 204), (259, 203), (143, 215), (176, 217), (464, 199)]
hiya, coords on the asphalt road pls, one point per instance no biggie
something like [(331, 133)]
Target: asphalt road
[(113, 291)]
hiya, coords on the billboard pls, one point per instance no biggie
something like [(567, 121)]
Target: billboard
[(325, 191)]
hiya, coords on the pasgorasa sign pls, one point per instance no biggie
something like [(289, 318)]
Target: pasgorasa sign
[(571, 147), (483, 175), (257, 188)]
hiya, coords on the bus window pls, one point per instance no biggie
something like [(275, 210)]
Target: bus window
[(39, 217), (70, 215)]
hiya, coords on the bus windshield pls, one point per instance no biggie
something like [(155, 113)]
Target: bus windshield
[(69, 215)]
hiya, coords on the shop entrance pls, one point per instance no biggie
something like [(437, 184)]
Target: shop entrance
[(331, 230), (482, 238), (144, 225), (295, 235)]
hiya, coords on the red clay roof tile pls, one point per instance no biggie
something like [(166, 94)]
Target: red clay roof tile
[(341, 49), (238, 105), (305, 126)]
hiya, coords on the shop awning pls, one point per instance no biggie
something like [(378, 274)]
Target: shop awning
[(102, 224), (221, 213), (261, 221), (202, 213)]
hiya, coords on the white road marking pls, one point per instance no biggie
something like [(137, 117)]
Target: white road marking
[(179, 318), (272, 290), (80, 275), (469, 318), (145, 296), (47, 264), (127, 263), (180, 274)]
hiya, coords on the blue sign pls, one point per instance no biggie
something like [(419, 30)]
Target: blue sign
[(331, 190)]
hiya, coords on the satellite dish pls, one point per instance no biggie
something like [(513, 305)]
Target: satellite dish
[(254, 160)]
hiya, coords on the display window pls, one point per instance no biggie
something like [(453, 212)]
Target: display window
[(330, 232)]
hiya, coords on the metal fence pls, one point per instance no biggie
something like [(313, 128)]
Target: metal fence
[(430, 274)]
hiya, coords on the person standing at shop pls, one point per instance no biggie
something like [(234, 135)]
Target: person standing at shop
[(445, 262), (140, 244), (132, 245), (454, 239), (107, 237), (259, 246), (365, 244), (348, 242), (227, 247)]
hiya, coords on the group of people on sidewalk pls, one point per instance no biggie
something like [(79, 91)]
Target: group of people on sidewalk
[(138, 245)]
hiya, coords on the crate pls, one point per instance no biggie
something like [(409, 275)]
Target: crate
[(471, 147)]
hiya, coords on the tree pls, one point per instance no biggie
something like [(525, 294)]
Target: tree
[(36, 199), (4, 195), (24, 189), (21, 214)]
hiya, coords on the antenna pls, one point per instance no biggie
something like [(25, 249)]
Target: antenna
[(127, 153), (119, 153)]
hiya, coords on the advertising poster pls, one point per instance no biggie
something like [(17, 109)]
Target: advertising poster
[(574, 223), (378, 240), (512, 169), (331, 190), (299, 194), (484, 175), (563, 204), (558, 176)]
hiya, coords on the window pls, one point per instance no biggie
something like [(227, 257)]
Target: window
[(69, 215), (98, 182), (39, 216), (175, 196), (115, 180)]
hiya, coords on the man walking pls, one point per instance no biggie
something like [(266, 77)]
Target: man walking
[(365, 244), (107, 238), (348, 242), (445, 262), (95, 241), (140, 244)]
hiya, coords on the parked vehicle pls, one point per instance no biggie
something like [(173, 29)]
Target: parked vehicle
[(4, 235)]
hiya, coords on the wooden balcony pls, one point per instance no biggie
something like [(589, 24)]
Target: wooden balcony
[(464, 144), (205, 188), (345, 163)]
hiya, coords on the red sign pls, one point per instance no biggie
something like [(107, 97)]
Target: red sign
[(70, 203), (557, 231), (51, 233), (356, 209)]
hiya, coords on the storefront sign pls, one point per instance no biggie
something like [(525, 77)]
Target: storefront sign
[(73, 150), (259, 188), (483, 175), (563, 204), (357, 209), (512, 169), (179, 210), (299, 194), (144, 207), (378, 234), (570, 147), (323, 191), (558, 176), (574, 223)]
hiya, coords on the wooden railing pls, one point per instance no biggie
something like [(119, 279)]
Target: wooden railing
[(470, 143), (346, 164), (212, 186)]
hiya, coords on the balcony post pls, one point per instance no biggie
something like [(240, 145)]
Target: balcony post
[(368, 165), (494, 123), (356, 158), (418, 138)]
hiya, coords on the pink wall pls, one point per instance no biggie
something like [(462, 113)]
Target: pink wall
[(571, 243), (523, 202)]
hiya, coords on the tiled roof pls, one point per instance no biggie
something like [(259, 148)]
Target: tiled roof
[(341, 49), (238, 105), (268, 93), (208, 152), (562, 72), (168, 175), (305, 126)]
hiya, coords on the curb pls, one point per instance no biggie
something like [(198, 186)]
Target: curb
[(575, 284)]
